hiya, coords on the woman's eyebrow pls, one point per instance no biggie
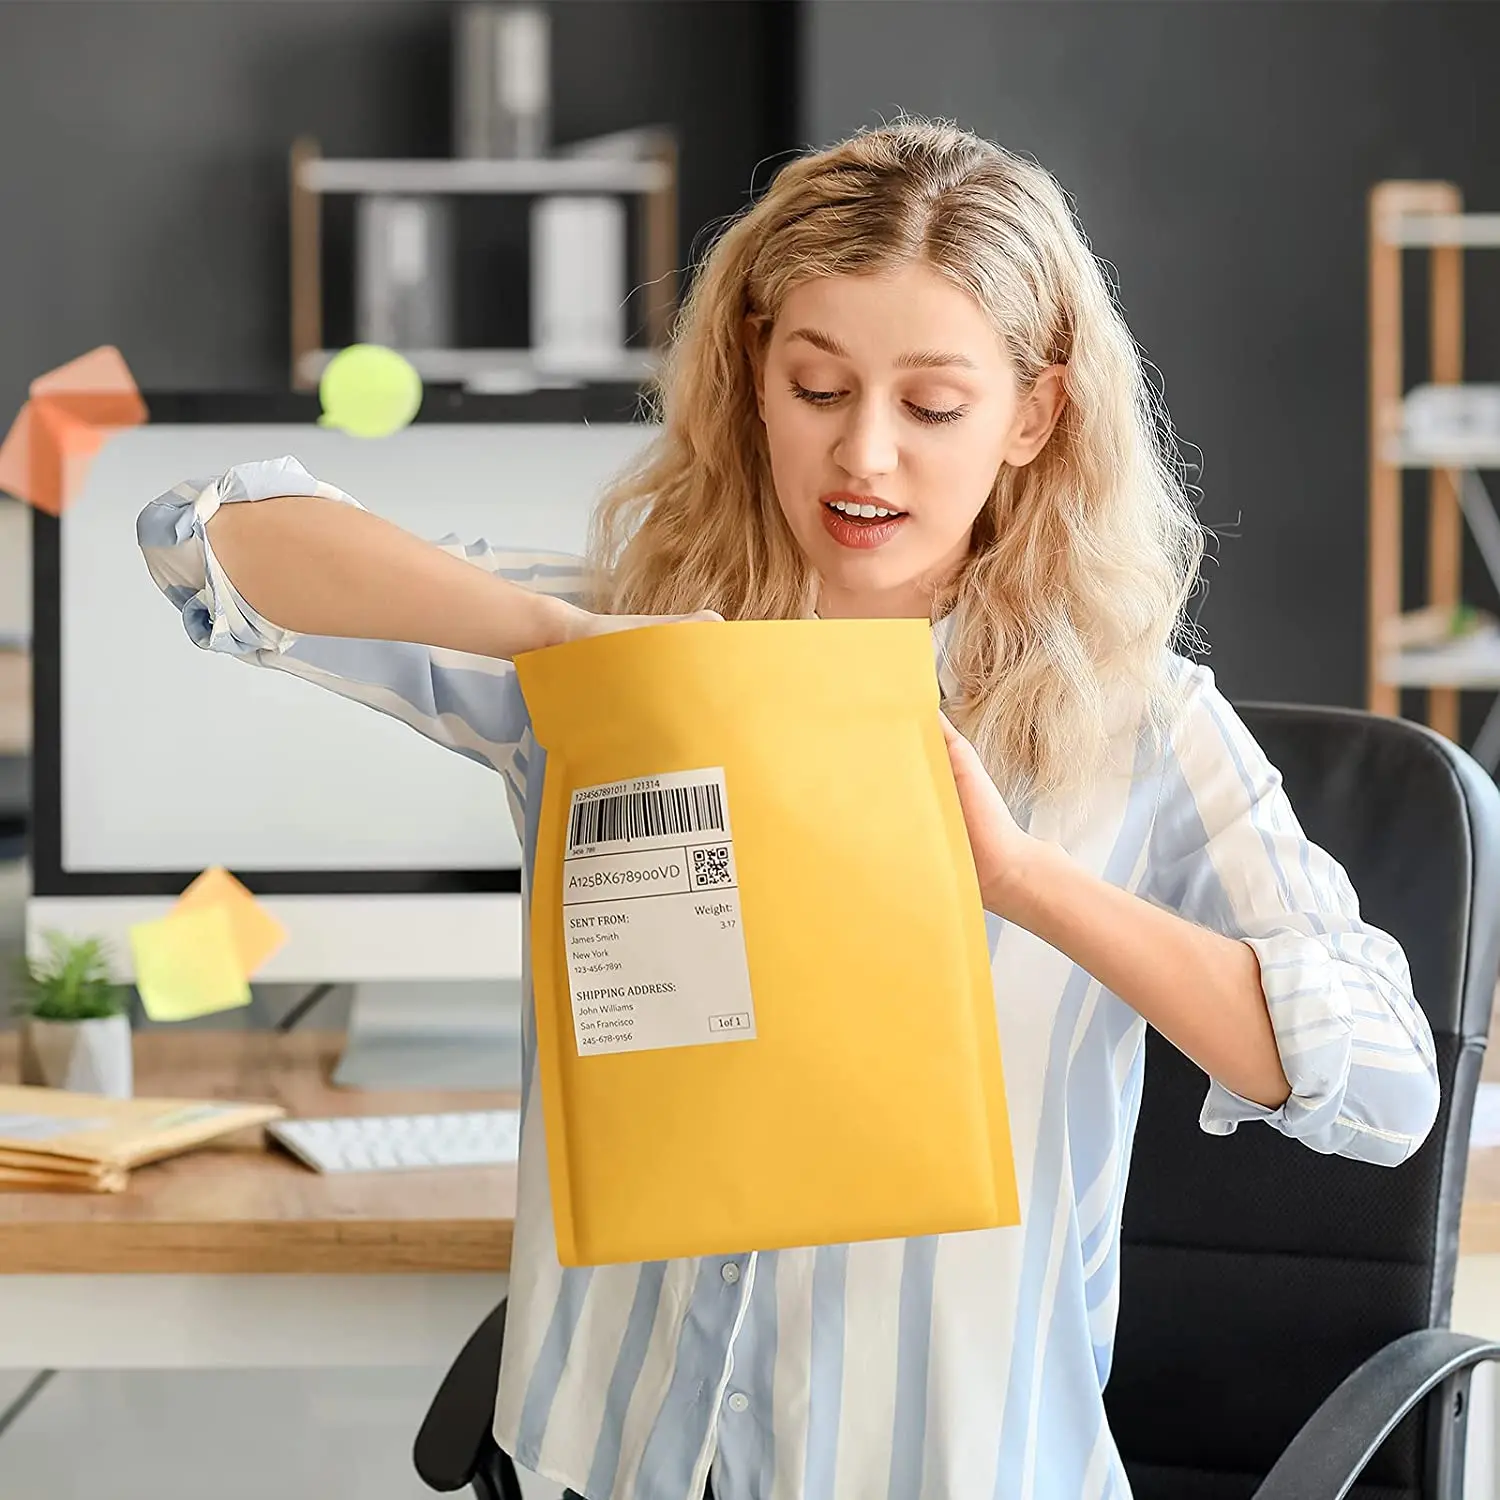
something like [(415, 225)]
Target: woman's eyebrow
[(826, 342), (934, 359), (917, 359)]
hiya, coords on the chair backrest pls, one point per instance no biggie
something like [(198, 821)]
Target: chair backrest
[(1255, 1273)]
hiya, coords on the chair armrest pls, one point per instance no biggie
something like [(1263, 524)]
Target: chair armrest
[(1330, 1452), (456, 1440)]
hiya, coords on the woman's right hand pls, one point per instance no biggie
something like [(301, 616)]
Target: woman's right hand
[(579, 624)]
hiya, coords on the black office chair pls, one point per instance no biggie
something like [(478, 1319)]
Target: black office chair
[(1257, 1275), (1282, 1330)]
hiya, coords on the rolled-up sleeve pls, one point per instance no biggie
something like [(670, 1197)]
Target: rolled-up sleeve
[(173, 535), (1228, 853), (466, 703)]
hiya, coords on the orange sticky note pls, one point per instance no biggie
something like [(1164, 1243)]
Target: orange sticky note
[(186, 965), (255, 932), (72, 411)]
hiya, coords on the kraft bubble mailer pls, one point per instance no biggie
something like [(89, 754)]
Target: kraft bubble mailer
[(764, 1008)]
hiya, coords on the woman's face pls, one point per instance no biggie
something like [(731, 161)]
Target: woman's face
[(890, 404)]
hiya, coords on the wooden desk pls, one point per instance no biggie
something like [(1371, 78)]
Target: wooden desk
[(15, 701), (390, 1268), (1481, 1222), (1476, 1294), (243, 1205), (1480, 1233)]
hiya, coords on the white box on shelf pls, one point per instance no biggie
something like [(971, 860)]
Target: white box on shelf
[(578, 280), (502, 68), (1450, 426), (404, 257)]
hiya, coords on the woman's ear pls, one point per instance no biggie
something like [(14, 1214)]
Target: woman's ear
[(1040, 409), (755, 351)]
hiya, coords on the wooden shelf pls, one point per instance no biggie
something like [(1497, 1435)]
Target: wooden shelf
[(1461, 438), (1474, 666), (1403, 214), (441, 175), (1482, 453), (1417, 231), (506, 370)]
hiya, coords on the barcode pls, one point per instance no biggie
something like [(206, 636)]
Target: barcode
[(645, 815)]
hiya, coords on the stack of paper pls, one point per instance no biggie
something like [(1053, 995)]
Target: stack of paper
[(85, 1143)]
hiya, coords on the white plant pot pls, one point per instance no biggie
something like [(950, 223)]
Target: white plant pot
[(88, 1057)]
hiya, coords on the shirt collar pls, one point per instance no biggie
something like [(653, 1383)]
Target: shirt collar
[(942, 632)]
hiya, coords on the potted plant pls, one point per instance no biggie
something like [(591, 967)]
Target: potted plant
[(76, 1031)]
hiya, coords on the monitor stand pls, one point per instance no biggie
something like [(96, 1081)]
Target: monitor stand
[(442, 1034)]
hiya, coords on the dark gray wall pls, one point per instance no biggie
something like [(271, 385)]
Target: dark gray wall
[(143, 157), (1220, 152)]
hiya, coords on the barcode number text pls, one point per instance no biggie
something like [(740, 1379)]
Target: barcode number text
[(647, 814)]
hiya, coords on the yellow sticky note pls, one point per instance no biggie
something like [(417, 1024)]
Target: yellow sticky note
[(186, 965), (256, 933)]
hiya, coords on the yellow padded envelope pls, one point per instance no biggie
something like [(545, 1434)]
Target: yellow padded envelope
[(764, 1009)]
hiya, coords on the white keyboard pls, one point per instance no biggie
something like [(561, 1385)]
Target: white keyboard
[(397, 1143)]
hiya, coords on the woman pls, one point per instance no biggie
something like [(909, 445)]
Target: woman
[(900, 387)]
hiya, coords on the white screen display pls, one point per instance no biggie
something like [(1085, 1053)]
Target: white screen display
[(175, 758)]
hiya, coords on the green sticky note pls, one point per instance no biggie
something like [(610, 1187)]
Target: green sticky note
[(369, 391), (187, 965)]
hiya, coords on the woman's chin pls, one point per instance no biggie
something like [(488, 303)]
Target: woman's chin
[(882, 585)]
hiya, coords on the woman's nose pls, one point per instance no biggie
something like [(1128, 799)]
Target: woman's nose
[(867, 445)]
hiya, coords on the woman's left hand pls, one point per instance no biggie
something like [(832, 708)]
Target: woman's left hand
[(1001, 849), (1200, 989)]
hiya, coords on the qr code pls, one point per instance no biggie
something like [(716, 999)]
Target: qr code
[(711, 866)]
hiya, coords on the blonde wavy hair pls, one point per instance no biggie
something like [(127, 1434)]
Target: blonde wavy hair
[(1073, 588)]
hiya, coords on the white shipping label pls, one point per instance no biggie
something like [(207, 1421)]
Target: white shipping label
[(651, 916), (45, 1127)]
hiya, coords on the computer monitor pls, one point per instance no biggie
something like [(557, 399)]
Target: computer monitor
[(385, 857)]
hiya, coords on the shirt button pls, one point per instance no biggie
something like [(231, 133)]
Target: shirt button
[(730, 1272), (739, 1402)]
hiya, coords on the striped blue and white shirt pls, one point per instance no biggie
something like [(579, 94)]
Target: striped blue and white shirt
[(945, 1368)]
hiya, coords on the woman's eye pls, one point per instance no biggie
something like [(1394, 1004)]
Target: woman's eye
[(814, 398), (928, 414)]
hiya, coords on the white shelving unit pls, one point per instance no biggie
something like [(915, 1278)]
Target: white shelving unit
[(1428, 216), (1472, 664), (652, 178), (491, 371), (542, 175), (1415, 229)]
